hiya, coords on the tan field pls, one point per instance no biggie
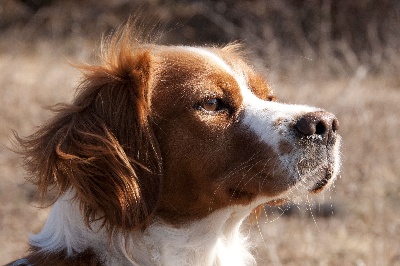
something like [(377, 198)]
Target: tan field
[(355, 222)]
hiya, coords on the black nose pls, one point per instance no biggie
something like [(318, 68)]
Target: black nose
[(317, 123)]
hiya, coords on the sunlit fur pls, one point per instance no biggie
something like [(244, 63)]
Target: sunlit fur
[(145, 175)]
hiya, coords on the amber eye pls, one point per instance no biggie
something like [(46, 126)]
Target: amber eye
[(211, 105), (214, 106), (271, 98)]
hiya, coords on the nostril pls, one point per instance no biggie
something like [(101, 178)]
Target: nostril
[(320, 128), (335, 125)]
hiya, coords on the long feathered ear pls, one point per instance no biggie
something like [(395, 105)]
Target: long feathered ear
[(102, 145)]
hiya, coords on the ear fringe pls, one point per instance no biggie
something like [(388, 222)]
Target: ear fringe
[(119, 49), (102, 145)]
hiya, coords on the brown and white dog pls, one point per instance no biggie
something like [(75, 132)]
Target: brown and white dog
[(163, 154)]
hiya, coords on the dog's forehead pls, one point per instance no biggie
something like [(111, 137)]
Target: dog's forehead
[(200, 61), (211, 58), (202, 55)]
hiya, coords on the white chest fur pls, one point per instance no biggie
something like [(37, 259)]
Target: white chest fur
[(214, 240)]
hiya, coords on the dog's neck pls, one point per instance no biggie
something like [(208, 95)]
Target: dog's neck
[(213, 240)]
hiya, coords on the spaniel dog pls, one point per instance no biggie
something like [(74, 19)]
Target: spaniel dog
[(163, 154)]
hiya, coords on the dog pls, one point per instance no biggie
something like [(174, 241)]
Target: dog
[(163, 154)]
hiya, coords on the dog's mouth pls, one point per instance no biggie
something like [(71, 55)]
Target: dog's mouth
[(322, 183), (318, 187), (316, 167), (277, 202)]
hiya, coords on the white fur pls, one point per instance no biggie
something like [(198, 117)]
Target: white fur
[(210, 57), (64, 229), (213, 240)]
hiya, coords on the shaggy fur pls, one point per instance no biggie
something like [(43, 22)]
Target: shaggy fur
[(164, 152)]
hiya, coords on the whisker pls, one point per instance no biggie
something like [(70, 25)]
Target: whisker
[(309, 206), (237, 169)]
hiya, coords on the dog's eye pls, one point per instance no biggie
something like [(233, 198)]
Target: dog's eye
[(271, 98), (214, 105), (211, 105)]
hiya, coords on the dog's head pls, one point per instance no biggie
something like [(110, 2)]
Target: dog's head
[(177, 133)]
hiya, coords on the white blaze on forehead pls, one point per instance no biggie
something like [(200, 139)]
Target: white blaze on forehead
[(260, 116), (211, 57)]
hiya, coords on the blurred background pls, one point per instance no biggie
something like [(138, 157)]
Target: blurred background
[(341, 55)]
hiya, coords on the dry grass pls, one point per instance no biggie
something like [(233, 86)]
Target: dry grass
[(364, 228), (27, 84)]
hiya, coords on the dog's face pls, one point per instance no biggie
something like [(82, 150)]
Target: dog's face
[(226, 141), (177, 133)]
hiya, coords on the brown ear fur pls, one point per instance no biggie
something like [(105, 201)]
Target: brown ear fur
[(102, 145)]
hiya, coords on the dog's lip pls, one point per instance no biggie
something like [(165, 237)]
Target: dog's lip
[(277, 202), (320, 185)]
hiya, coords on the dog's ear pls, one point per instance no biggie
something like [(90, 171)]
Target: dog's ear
[(102, 145)]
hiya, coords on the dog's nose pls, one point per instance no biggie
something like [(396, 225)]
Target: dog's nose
[(317, 123)]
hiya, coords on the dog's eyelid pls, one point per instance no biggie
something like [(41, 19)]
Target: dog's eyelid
[(213, 105)]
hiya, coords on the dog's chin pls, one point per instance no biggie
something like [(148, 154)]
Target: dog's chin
[(316, 169), (322, 182), (312, 183), (318, 181)]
